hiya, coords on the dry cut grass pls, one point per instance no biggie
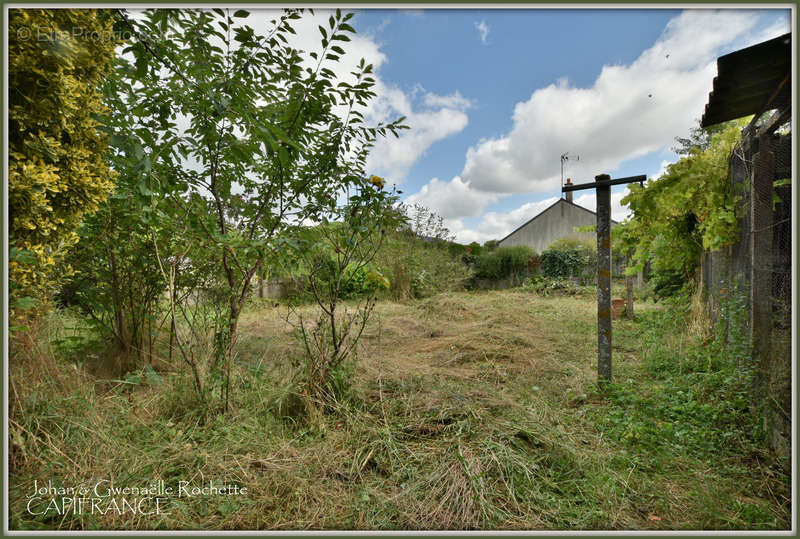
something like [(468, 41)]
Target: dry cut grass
[(468, 411)]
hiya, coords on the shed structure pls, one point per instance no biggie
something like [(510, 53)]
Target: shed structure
[(752, 81), (556, 222)]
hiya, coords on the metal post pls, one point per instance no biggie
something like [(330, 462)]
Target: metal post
[(629, 290), (629, 299), (603, 281)]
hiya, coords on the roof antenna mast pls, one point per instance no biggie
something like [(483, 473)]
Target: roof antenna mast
[(564, 159)]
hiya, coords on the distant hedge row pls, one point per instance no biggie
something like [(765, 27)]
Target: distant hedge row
[(566, 258)]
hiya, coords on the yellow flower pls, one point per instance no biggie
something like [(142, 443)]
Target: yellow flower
[(377, 181)]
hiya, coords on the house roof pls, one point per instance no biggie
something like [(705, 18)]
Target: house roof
[(751, 81), (559, 201)]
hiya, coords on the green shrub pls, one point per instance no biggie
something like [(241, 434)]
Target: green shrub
[(566, 258), (416, 268), (457, 250), (546, 286), (357, 281), (504, 262), (471, 253), (668, 283)]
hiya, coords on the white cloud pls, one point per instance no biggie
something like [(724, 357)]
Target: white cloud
[(452, 101), (430, 117), (462, 233), (779, 28), (618, 211), (307, 37), (661, 170), (483, 30), (495, 225), (453, 199), (629, 111)]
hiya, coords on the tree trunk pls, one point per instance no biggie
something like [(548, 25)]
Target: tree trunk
[(116, 299)]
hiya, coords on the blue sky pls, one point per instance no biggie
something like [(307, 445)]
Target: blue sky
[(495, 96)]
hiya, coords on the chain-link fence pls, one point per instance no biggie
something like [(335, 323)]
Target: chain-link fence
[(758, 269)]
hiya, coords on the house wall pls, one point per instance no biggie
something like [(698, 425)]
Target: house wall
[(559, 221)]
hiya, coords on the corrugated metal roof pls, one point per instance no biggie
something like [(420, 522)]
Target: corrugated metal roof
[(751, 81)]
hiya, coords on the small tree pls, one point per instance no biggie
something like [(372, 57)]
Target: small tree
[(426, 224), (116, 280), (271, 139), (491, 245), (505, 263), (337, 255)]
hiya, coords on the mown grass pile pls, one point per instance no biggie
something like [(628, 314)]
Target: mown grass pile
[(467, 411)]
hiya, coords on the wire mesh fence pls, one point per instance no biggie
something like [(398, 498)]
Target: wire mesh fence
[(758, 268)]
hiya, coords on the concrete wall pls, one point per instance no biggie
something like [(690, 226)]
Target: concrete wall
[(273, 289), (556, 222)]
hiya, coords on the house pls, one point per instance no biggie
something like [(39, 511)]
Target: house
[(555, 222)]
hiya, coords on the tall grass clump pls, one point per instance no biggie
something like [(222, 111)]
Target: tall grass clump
[(506, 263), (417, 268)]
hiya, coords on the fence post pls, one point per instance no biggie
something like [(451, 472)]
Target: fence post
[(629, 298), (603, 281)]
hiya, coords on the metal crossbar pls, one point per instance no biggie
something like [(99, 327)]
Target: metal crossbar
[(604, 183)]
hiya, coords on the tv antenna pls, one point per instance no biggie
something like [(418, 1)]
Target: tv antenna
[(564, 159)]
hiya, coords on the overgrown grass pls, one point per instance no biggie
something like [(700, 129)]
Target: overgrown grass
[(467, 411)]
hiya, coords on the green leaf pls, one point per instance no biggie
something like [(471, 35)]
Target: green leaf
[(152, 376), (24, 256), (141, 66), (138, 151), (241, 13), (24, 304), (283, 156), (144, 165), (144, 190)]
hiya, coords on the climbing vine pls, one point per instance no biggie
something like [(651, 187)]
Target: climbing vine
[(689, 209)]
